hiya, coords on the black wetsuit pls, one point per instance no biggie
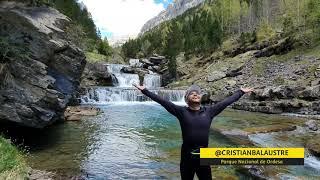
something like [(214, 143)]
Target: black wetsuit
[(195, 126)]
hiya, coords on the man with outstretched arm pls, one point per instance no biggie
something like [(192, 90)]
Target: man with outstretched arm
[(195, 121)]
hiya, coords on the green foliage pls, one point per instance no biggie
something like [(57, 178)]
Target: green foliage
[(288, 26), (131, 48), (145, 47), (174, 44), (104, 48), (83, 32), (265, 30), (247, 38), (95, 57), (202, 29), (78, 14), (12, 164), (313, 15), (174, 40), (197, 30)]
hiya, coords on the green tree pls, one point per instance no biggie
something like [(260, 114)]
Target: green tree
[(174, 46), (104, 47), (146, 47), (131, 48)]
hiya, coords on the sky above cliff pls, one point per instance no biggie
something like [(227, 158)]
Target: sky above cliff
[(118, 19)]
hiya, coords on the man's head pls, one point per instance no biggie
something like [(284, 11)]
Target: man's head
[(193, 95)]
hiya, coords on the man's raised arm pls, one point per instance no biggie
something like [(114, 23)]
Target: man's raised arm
[(169, 106), (220, 106)]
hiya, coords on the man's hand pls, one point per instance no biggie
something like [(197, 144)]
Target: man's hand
[(139, 87), (247, 90)]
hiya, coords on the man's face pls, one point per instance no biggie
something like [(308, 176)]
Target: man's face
[(194, 97)]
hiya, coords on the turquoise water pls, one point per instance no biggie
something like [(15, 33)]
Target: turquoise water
[(133, 141), (137, 140)]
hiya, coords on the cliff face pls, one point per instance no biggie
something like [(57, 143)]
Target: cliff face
[(36, 87), (172, 11)]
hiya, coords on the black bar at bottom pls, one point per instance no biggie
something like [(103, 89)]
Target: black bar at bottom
[(252, 161)]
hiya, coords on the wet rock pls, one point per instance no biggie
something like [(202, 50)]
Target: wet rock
[(253, 171), (312, 125), (141, 73), (156, 68), (135, 63), (313, 145), (241, 136), (270, 128), (76, 113), (129, 70), (146, 63), (96, 74), (156, 59), (235, 135), (215, 75)]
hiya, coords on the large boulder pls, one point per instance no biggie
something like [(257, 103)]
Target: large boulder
[(77, 113), (312, 125), (310, 93), (43, 72), (129, 70), (96, 74), (313, 145), (278, 92), (156, 59), (146, 63), (135, 63), (215, 75)]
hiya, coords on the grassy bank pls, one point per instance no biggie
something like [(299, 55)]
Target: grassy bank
[(114, 58), (12, 163)]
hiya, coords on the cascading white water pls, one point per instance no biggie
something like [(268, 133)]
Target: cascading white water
[(152, 81), (125, 92), (102, 95), (124, 79)]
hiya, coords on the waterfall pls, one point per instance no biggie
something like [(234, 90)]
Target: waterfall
[(152, 81), (123, 79), (102, 95), (123, 91)]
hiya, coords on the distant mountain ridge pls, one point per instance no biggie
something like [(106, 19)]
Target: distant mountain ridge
[(173, 10)]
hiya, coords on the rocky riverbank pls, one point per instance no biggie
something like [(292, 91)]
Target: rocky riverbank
[(261, 130), (40, 72), (286, 80)]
